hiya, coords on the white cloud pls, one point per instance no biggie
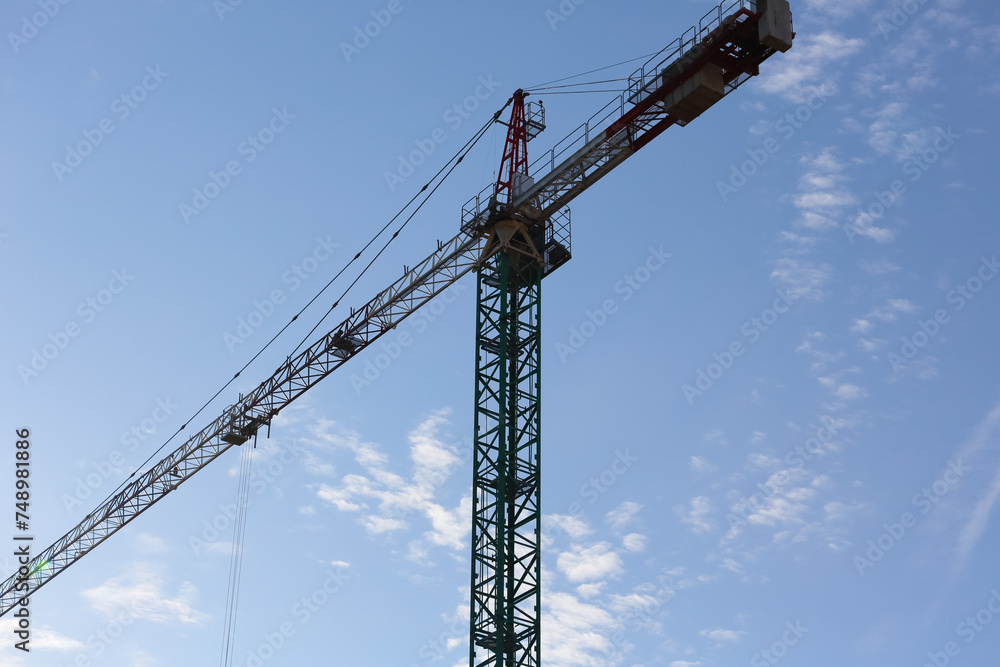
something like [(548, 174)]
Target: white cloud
[(891, 310), (634, 542), (576, 633), (974, 528), (701, 507), (43, 638), (590, 563), (822, 194), (862, 326), (785, 503), (879, 267), (591, 590), (146, 543), (806, 69), (377, 525), (732, 566), (139, 594), (700, 464), (801, 279), (572, 526), (620, 517), (398, 501), (449, 527), (339, 497), (850, 392), (721, 636), (140, 658), (837, 9), (762, 461)]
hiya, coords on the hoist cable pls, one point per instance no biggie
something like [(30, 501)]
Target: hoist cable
[(460, 155)]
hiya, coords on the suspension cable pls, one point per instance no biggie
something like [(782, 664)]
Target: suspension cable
[(456, 158), (470, 145), (599, 69)]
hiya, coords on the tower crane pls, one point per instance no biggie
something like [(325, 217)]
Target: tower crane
[(513, 234)]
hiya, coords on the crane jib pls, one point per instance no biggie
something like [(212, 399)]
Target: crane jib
[(673, 87)]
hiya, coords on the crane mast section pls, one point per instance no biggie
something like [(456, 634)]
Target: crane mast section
[(240, 422), (672, 88)]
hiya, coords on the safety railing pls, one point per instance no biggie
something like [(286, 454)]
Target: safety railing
[(641, 82)]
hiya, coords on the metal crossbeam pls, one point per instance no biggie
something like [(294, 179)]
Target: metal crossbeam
[(240, 422), (506, 500), (505, 531)]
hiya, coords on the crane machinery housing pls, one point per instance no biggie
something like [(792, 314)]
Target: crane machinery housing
[(513, 234)]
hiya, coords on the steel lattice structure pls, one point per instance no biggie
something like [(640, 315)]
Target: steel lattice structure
[(506, 500), (514, 234)]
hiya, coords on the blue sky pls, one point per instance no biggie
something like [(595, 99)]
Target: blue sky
[(779, 446)]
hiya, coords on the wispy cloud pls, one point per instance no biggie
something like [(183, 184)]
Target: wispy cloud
[(581, 564), (801, 279), (623, 515), (395, 499), (140, 594), (972, 531), (805, 70), (697, 513), (721, 636)]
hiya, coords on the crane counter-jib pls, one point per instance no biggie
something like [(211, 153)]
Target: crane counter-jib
[(675, 86)]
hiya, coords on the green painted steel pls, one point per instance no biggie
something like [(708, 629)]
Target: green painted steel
[(506, 509)]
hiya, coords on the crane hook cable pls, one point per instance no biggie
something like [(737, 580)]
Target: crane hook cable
[(236, 559), (460, 154)]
